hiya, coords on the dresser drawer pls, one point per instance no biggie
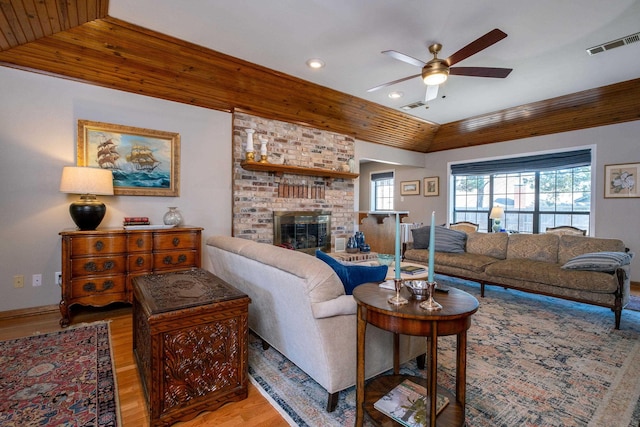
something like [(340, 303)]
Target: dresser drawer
[(140, 262), (98, 266), (140, 242), (97, 245), (168, 241), (175, 260), (96, 286)]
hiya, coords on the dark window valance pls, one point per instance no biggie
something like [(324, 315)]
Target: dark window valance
[(541, 162), (381, 175)]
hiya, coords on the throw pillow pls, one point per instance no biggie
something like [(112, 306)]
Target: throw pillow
[(599, 261), (354, 275), (445, 239)]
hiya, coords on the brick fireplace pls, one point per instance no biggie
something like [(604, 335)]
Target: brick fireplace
[(258, 194)]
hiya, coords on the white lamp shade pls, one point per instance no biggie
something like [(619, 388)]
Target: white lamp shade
[(496, 212), (86, 180)]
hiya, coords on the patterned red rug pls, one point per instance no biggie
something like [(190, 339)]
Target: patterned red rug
[(61, 378)]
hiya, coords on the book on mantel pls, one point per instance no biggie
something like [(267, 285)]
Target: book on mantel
[(407, 404)]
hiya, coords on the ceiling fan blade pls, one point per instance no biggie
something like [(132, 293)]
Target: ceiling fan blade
[(404, 58), (498, 73), (432, 93), (476, 46), (393, 82)]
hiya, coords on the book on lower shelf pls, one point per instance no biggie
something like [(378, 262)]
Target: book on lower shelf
[(407, 404), (412, 269)]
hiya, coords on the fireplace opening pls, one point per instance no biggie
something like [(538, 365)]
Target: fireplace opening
[(303, 231)]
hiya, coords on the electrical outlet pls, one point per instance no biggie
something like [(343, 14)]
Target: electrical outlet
[(58, 278), (36, 280), (18, 281)]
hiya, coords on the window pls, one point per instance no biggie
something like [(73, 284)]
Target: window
[(535, 192), (382, 191)]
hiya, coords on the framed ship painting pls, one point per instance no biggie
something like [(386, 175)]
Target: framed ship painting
[(144, 162)]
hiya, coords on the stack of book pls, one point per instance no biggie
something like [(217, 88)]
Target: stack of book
[(135, 220), (407, 404), (412, 269)]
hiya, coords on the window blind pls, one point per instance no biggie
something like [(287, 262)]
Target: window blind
[(541, 162)]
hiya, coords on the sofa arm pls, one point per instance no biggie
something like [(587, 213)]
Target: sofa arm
[(342, 305)]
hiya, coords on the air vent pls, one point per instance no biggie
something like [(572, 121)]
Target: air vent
[(614, 44), (413, 105)]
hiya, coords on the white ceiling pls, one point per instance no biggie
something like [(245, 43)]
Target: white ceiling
[(545, 46)]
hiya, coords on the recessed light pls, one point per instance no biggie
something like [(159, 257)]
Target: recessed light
[(315, 63), (396, 95)]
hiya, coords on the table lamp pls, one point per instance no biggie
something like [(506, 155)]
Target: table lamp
[(496, 215), (87, 212)]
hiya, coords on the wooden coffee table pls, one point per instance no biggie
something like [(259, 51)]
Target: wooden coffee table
[(410, 319)]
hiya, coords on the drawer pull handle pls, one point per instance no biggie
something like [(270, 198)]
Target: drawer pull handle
[(99, 245), (140, 242), (93, 267), (168, 260), (91, 287), (140, 261), (176, 241)]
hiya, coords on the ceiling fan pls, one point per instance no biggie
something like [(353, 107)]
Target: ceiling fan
[(437, 70)]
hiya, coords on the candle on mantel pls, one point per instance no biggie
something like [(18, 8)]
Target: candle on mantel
[(397, 264), (263, 147), (432, 244), (250, 140)]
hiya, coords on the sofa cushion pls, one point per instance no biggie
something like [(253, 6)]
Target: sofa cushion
[(535, 247), (489, 244), (598, 261), (572, 246), (354, 275), (531, 272), (445, 240)]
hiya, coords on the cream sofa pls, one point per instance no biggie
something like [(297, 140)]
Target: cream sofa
[(533, 263), (298, 306)]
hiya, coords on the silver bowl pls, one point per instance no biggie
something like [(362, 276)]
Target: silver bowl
[(417, 288)]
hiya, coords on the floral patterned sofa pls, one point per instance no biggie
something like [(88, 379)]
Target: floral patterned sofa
[(584, 269)]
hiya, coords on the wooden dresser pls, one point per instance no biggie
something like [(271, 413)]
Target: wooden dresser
[(98, 266)]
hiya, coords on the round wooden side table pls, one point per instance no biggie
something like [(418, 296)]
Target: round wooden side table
[(410, 319)]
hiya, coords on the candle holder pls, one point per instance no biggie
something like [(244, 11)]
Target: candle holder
[(250, 155), (397, 299), (263, 149), (430, 304)]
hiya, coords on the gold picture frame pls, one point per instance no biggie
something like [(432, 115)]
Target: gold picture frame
[(621, 180), (431, 186), (144, 162), (409, 188)]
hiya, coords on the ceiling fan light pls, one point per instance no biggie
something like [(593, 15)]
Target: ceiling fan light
[(435, 78)]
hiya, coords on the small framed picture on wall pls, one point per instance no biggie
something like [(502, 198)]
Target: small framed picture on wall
[(409, 188), (621, 180), (432, 186)]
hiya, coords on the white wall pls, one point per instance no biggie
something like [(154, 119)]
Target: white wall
[(38, 127), (614, 218), (38, 122)]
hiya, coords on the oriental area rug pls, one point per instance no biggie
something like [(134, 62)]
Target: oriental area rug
[(531, 361), (63, 378)]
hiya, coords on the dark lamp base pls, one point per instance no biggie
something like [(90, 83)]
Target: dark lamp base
[(87, 213)]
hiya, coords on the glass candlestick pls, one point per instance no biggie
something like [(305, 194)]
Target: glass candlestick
[(397, 299), (430, 304)]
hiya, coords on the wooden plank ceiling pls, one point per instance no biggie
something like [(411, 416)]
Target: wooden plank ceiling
[(75, 39)]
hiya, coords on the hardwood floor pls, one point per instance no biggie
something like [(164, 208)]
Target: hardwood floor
[(253, 411)]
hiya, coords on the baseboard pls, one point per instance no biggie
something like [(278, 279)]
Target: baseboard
[(24, 312)]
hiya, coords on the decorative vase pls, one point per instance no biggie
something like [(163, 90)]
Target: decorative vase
[(360, 239), (172, 217), (352, 245)]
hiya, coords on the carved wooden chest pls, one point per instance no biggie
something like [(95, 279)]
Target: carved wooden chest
[(190, 343)]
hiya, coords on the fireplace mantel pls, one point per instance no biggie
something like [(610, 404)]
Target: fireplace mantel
[(296, 170)]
